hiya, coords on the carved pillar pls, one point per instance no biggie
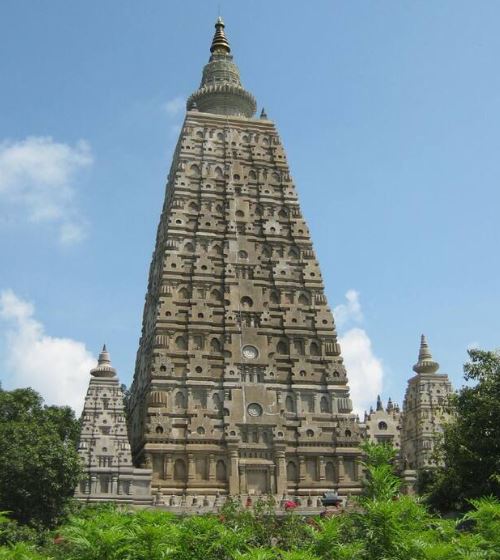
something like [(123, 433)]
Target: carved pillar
[(151, 464), (167, 467), (272, 480), (234, 479), (191, 467), (358, 468), (93, 484), (335, 404), (298, 402), (321, 468), (243, 479), (259, 435), (114, 484), (281, 485), (211, 467), (340, 469), (302, 468)]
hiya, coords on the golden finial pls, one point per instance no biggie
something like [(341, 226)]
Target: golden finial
[(219, 42)]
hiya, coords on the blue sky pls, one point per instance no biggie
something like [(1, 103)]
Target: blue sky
[(390, 114)]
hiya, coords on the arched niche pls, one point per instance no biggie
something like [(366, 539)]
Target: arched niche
[(221, 471), (291, 471), (180, 470)]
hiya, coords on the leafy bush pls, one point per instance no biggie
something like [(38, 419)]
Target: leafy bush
[(384, 525), (39, 464)]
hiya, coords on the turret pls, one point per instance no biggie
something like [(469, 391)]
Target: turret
[(104, 367), (425, 362), (220, 90)]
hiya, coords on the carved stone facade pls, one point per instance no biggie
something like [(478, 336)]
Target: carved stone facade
[(384, 425), (423, 411), (104, 446), (413, 430), (239, 387)]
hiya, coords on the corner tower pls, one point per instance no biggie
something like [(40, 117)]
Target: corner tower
[(239, 387), (104, 448), (424, 410)]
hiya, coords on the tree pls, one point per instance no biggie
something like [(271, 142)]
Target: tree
[(470, 447), (39, 464)]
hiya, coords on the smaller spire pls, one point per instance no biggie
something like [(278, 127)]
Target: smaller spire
[(104, 358), (379, 403), (425, 362), (220, 42), (263, 114), (390, 406), (104, 367)]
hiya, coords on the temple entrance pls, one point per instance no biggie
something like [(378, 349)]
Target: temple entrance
[(257, 481)]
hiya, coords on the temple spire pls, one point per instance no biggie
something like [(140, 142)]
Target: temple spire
[(220, 42), (104, 367), (220, 91), (425, 362)]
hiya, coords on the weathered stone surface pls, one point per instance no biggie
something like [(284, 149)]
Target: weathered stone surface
[(384, 425), (104, 446), (424, 411), (413, 430), (239, 387)]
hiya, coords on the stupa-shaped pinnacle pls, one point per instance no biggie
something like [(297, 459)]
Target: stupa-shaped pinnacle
[(221, 91), (220, 42), (104, 367), (425, 362)]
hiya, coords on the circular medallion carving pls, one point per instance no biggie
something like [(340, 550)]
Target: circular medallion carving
[(254, 409), (249, 352)]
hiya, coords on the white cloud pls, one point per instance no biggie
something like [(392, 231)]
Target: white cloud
[(175, 106), (58, 368), (37, 182), (349, 311), (71, 233), (364, 369)]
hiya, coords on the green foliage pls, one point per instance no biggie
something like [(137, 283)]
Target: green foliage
[(391, 529), (12, 532), (205, 537), (257, 554), (470, 447), (21, 551), (380, 483), (486, 516), (384, 525), (39, 465), (378, 454), (105, 532)]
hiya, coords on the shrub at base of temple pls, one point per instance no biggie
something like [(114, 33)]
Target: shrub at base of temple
[(39, 464), (470, 445), (385, 524)]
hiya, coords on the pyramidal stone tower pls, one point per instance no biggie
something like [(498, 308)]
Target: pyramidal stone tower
[(239, 387), (104, 446), (424, 410)]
